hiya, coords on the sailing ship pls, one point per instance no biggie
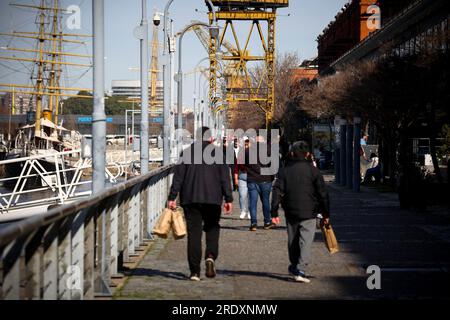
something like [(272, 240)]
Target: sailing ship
[(42, 134)]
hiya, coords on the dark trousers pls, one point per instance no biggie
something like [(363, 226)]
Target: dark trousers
[(300, 240), (202, 217)]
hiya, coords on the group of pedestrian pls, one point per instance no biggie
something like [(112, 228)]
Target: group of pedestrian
[(204, 187), (251, 183)]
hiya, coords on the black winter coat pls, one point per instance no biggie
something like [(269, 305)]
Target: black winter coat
[(201, 183), (301, 190)]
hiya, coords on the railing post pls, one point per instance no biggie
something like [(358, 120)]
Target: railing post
[(102, 275), (64, 259), (78, 257), (89, 255), (137, 218), (33, 266), (151, 210), (11, 271), (114, 236), (121, 239), (144, 211), (50, 279), (126, 227), (131, 224)]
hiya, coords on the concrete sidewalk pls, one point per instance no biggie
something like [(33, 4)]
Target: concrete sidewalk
[(412, 249)]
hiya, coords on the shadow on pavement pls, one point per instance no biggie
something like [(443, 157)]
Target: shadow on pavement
[(159, 273)]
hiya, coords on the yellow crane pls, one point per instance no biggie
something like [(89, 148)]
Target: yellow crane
[(247, 89)]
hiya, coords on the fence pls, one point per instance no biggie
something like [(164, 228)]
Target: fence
[(73, 251)]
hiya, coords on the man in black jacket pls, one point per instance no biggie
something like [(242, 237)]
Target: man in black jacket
[(301, 190), (202, 187)]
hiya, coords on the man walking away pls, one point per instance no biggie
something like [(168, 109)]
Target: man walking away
[(202, 188), (301, 190)]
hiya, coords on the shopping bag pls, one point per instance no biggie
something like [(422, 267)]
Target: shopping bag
[(178, 223), (164, 223), (330, 239)]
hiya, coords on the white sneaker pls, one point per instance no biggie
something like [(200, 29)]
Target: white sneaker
[(194, 277), (248, 216), (301, 279), (243, 214)]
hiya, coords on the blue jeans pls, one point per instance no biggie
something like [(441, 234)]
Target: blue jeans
[(263, 190), (243, 192)]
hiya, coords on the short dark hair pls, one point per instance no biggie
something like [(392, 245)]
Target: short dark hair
[(300, 149), (203, 134)]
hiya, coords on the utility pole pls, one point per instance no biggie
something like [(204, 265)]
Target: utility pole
[(167, 66), (98, 115), (99, 133), (141, 32)]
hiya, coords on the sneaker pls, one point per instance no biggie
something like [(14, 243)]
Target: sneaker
[(268, 226), (210, 268), (299, 276), (253, 227), (243, 214), (248, 216), (194, 277)]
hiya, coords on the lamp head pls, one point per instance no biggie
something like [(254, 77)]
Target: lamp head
[(156, 19), (214, 31)]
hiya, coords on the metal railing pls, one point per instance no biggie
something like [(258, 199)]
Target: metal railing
[(73, 251), (57, 185)]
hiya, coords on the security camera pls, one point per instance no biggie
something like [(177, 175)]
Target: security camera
[(156, 19)]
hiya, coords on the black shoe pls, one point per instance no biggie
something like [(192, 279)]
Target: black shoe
[(253, 227), (268, 226), (210, 268)]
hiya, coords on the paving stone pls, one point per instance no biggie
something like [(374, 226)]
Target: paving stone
[(371, 229)]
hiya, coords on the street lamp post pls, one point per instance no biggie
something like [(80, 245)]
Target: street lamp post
[(141, 32), (167, 70), (179, 76)]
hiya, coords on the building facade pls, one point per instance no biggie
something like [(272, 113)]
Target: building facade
[(16, 104), (131, 89)]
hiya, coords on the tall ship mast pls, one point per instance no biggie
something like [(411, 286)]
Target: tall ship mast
[(48, 65)]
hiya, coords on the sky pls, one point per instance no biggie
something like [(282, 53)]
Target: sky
[(297, 29)]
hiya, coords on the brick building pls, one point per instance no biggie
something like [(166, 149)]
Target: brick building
[(308, 70), (354, 23)]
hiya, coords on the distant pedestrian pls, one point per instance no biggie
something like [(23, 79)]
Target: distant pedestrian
[(364, 139), (301, 190), (240, 179), (373, 169), (203, 188), (258, 184)]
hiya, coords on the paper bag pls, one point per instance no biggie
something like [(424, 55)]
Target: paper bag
[(330, 239), (178, 223), (162, 227)]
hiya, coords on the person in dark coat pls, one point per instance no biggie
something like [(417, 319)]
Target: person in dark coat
[(301, 190), (202, 187)]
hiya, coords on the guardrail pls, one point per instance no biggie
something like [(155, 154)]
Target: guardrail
[(59, 181), (71, 252)]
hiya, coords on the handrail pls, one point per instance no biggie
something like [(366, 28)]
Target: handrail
[(23, 227), (95, 236), (39, 156)]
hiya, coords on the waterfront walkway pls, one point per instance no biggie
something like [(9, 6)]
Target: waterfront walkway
[(412, 249)]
